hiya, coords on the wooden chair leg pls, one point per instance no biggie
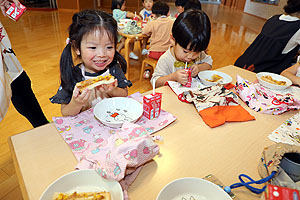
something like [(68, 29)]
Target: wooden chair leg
[(142, 70)]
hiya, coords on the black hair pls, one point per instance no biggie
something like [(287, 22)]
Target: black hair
[(292, 6), (191, 30), (117, 4), (160, 8), (180, 2), (193, 4), (85, 22)]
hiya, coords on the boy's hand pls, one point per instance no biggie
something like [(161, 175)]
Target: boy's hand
[(181, 76), (81, 98), (196, 68), (4, 4)]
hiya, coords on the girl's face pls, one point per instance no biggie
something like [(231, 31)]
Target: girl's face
[(96, 50), (180, 9), (123, 6), (182, 54), (148, 4)]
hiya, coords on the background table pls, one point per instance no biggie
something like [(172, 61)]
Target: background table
[(190, 149)]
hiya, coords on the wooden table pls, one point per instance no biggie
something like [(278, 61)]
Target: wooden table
[(190, 149), (130, 38)]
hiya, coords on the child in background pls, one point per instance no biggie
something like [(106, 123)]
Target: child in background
[(193, 4), (93, 37), (190, 38), (179, 6), (293, 73), (145, 14), (118, 8), (159, 30)]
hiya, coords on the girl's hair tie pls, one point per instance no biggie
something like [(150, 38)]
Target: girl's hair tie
[(68, 41)]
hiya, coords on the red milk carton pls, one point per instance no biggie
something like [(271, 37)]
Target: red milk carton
[(274, 192), (144, 23), (152, 105), (14, 13), (189, 83)]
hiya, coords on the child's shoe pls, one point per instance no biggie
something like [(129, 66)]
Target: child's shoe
[(133, 56), (146, 73), (145, 52)]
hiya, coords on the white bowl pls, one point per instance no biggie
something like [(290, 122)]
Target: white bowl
[(83, 181), (207, 74), (113, 112), (185, 188), (275, 77), (125, 21)]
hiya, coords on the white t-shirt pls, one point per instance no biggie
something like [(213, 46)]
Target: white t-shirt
[(165, 64)]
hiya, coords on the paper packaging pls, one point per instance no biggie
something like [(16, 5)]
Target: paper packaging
[(14, 13), (274, 192), (144, 23), (189, 83), (152, 105)]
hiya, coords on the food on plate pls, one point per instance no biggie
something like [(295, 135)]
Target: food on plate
[(214, 78), (82, 196), (269, 79), (94, 82)]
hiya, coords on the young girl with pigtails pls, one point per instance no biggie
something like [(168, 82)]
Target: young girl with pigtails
[(93, 37)]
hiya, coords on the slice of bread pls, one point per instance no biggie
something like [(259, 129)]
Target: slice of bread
[(82, 196)]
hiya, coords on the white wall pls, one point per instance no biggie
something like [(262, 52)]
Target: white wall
[(264, 10)]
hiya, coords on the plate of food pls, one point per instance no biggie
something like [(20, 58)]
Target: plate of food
[(192, 188), (273, 81), (113, 112), (83, 183), (213, 77)]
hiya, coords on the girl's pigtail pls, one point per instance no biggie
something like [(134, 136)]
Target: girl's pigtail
[(121, 60), (67, 70)]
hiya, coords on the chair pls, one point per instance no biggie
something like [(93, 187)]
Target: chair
[(145, 65)]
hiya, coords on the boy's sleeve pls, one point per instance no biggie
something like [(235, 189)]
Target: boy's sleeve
[(204, 58), (147, 29), (162, 68)]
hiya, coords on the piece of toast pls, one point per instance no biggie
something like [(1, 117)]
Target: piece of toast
[(94, 82), (82, 196)]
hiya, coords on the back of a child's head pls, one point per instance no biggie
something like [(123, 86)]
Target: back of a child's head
[(191, 30), (116, 4), (192, 4), (292, 6), (84, 23), (180, 2), (160, 8)]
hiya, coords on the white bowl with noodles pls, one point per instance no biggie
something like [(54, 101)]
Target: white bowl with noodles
[(113, 112), (206, 77), (192, 188), (83, 181), (275, 77)]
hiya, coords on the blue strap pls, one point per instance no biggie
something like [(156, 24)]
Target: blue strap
[(248, 184)]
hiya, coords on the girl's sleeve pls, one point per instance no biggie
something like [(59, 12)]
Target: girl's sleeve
[(117, 72), (61, 97)]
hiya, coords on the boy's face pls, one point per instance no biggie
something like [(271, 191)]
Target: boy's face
[(148, 4), (182, 54), (180, 9)]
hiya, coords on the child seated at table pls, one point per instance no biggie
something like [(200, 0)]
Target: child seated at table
[(118, 8), (293, 73), (190, 38), (146, 13), (159, 30), (92, 37), (179, 6)]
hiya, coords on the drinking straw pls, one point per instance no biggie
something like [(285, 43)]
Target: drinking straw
[(185, 65), (153, 92)]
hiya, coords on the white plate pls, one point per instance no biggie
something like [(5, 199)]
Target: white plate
[(275, 77), (115, 111), (207, 74), (185, 188), (83, 181)]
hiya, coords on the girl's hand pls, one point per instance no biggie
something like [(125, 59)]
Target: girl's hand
[(4, 4), (107, 88), (181, 76), (81, 98)]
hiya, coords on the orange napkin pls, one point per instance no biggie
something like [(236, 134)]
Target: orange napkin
[(218, 115)]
